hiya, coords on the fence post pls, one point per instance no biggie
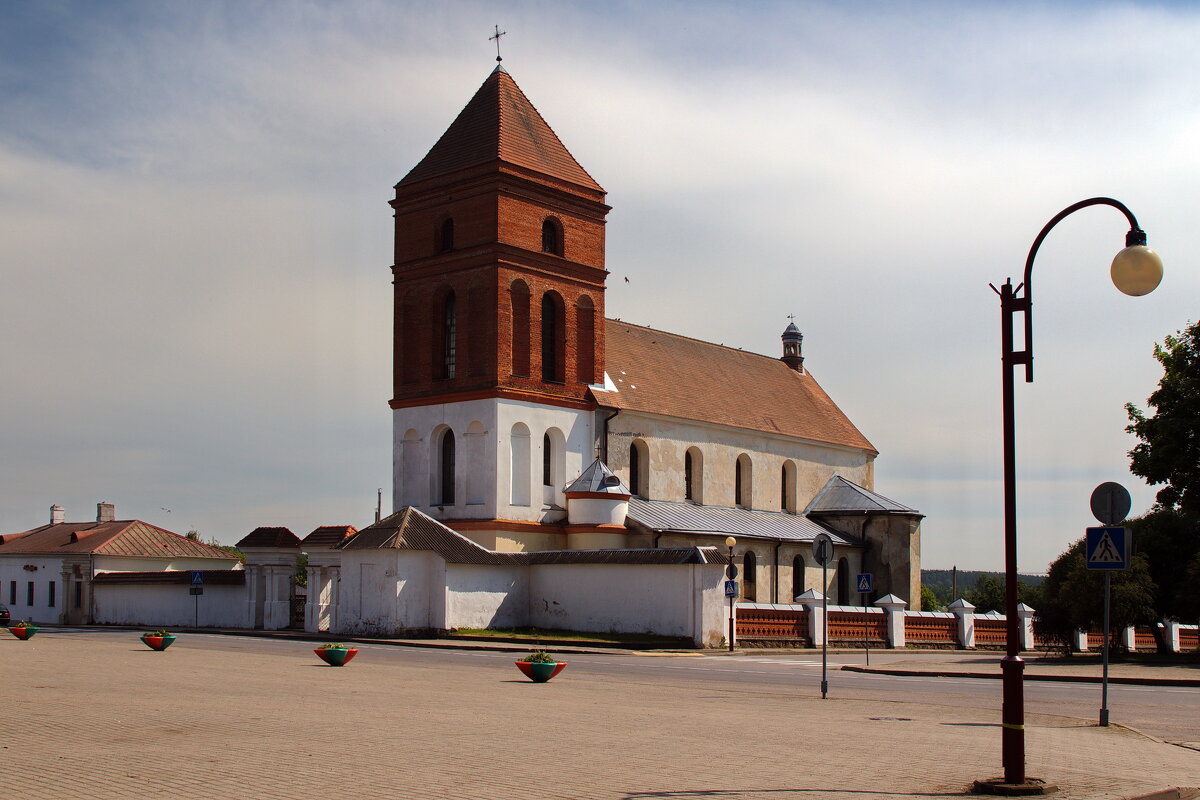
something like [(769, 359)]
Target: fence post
[(1171, 634), (965, 613), (1025, 614), (1127, 639), (1081, 640), (894, 608), (815, 601)]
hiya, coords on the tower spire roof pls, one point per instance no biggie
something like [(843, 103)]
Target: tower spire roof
[(499, 124)]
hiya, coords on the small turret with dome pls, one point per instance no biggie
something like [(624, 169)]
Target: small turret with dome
[(793, 341)]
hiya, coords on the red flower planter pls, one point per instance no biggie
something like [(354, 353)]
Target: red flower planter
[(540, 672), (336, 656), (24, 634), (158, 642)]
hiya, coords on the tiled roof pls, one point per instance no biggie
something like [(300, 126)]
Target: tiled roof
[(500, 124), (212, 577), (269, 537), (598, 479), (409, 529), (327, 536), (667, 517), (840, 496), (119, 538), (670, 375)]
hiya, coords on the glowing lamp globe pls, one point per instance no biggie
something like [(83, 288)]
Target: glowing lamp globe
[(1137, 270)]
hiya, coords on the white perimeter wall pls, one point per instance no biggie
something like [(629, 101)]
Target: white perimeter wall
[(387, 592), (486, 597), (155, 606)]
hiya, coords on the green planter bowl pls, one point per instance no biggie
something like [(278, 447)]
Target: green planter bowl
[(538, 672), (24, 634), (159, 643), (336, 656)]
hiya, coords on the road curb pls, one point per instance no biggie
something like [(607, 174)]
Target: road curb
[(1029, 677)]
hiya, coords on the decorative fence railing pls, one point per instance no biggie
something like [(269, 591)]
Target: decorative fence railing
[(890, 625)]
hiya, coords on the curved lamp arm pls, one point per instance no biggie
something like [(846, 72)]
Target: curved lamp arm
[(1135, 238)]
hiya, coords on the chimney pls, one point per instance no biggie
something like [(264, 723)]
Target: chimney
[(57, 514), (105, 512)]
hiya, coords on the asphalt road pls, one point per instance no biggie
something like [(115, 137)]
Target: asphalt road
[(1168, 713)]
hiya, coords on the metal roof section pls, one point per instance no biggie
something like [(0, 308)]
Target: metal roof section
[(840, 496), (409, 529), (662, 516), (598, 479)]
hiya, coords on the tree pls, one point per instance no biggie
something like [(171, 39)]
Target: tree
[(929, 599), (1169, 450), (1073, 597), (1171, 544), (988, 594)]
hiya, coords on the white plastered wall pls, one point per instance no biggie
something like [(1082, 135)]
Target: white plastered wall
[(156, 606)]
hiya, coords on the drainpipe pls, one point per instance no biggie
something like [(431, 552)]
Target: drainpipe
[(604, 434), (657, 536)]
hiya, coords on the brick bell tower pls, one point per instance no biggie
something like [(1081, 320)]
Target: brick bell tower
[(499, 262)]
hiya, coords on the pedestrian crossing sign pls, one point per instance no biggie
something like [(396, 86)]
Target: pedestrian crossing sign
[(864, 583), (1107, 548)]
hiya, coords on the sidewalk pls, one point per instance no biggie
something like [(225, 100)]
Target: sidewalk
[(1038, 667), (100, 716)]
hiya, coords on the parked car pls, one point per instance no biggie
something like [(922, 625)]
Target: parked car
[(4, 616)]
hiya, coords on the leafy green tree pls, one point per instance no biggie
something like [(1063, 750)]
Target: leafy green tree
[(1169, 450), (1170, 541), (988, 594), (1073, 597), (929, 599)]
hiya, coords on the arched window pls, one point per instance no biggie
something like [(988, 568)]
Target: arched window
[(743, 482), (519, 465), (519, 295), (585, 340), (446, 469), (843, 582), (639, 468), (553, 466), (749, 580), (787, 487), (552, 236), (547, 455), (797, 576), (446, 236), (552, 337), (687, 476), (693, 475)]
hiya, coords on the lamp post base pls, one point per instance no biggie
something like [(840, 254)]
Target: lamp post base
[(1031, 786)]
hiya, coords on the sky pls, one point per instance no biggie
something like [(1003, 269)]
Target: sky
[(195, 242)]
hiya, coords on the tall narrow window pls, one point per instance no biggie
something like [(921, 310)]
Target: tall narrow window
[(449, 335), (737, 483), (29, 594), (797, 576), (843, 582), (446, 469), (519, 295), (552, 338), (687, 476), (585, 340), (787, 487), (547, 461), (743, 485), (446, 236), (552, 236), (51, 596), (750, 567), (635, 469), (408, 343), (519, 475)]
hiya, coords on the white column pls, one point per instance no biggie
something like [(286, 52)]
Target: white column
[(965, 614), (1171, 634), (1127, 639), (815, 602), (313, 599), (1025, 615), (894, 607), (1081, 640)]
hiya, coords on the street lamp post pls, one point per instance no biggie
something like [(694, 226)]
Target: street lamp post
[(730, 574), (1136, 270)]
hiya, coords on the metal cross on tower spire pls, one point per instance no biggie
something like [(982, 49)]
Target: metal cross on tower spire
[(496, 37)]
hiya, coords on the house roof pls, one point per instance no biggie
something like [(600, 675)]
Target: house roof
[(499, 124), (409, 529), (661, 516), (269, 537), (327, 536), (598, 479), (671, 375), (840, 496), (132, 538)]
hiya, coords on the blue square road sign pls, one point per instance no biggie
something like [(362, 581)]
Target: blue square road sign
[(1107, 548)]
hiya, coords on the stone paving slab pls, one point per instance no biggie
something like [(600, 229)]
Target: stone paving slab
[(100, 716)]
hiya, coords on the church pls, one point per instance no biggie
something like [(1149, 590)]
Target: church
[(528, 424)]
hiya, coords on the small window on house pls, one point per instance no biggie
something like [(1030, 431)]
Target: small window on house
[(843, 582), (12, 593), (79, 594), (446, 236), (29, 594), (51, 595), (552, 236)]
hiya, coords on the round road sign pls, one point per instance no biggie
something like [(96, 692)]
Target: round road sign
[(823, 549), (1110, 503)]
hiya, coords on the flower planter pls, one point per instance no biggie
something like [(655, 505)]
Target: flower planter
[(24, 634), (540, 672), (336, 656), (158, 642)]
